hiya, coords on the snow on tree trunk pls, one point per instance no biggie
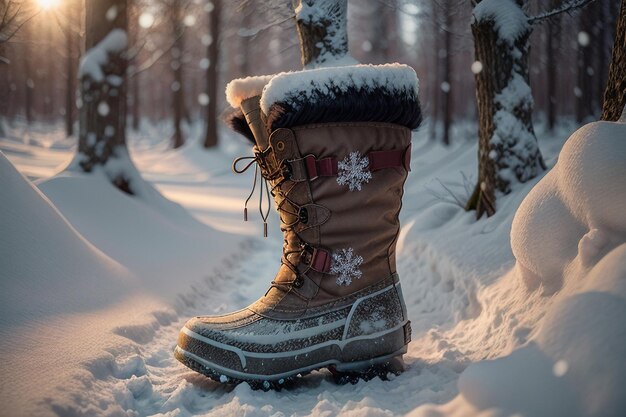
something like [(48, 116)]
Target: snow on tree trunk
[(615, 93), (102, 76), (210, 137), (508, 150), (323, 33)]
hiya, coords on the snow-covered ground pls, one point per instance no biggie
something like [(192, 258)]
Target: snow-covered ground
[(99, 284)]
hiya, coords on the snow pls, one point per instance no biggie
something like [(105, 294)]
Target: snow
[(569, 240), (577, 210), (242, 88), (95, 58), (58, 282), (508, 18), (511, 138), (307, 84), (509, 317), (334, 47)]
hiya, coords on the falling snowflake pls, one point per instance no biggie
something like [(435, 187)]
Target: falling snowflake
[(346, 266), (353, 171)]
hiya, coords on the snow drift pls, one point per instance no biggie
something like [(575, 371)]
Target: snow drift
[(569, 240), (152, 236), (47, 266)]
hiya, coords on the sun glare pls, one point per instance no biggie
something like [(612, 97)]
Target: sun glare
[(48, 4)]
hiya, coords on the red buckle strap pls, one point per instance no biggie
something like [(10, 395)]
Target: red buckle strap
[(311, 168), (318, 259), (385, 159), (325, 167)]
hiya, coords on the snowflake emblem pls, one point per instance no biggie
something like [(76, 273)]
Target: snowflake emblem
[(346, 266), (353, 171)]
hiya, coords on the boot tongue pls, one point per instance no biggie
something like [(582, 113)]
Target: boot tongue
[(251, 109)]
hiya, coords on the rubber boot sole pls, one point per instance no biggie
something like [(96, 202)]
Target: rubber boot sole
[(349, 367), (342, 373)]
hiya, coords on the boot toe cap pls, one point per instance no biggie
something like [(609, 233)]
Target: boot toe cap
[(199, 342)]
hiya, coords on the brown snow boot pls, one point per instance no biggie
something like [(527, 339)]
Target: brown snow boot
[(336, 168)]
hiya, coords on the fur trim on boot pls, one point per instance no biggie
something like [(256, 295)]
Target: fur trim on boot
[(361, 93)]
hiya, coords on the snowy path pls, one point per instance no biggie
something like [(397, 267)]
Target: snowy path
[(150, 381)]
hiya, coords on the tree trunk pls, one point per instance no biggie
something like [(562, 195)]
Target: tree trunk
[(507, 149), (553, 34), (436, 90), (605, 37), (584, 98), (69, 70), (30, 86), (210, 137), (376, 29), (136, 102), (27, 50), (178, 99), (134, 80), (323, 32), (243, 50), (447, 68), (48, 82), (103, 94), (615, 93)]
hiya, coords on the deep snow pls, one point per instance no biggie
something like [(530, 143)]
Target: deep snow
[(468, 300)]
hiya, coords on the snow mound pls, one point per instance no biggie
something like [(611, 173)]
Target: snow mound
[(396, 79), (576, 213), (47, 266), (155, 239), (569, 239)]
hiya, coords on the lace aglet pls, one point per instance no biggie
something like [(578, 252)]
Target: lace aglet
[(264, 229), (245, 214)]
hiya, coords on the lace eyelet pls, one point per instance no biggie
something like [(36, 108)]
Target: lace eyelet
[(286, 170), (303, 215), (298, 282), (280, 145)]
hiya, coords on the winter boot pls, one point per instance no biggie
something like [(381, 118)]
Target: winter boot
[(334, 145)]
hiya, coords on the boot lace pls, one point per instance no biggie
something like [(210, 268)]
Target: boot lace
[(268, 175)]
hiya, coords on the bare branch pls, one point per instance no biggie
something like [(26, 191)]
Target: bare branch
[(567, 7), (7, 37), (153, 60)]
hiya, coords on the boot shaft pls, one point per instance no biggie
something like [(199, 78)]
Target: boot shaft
[(337, 186), (350, 208)]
